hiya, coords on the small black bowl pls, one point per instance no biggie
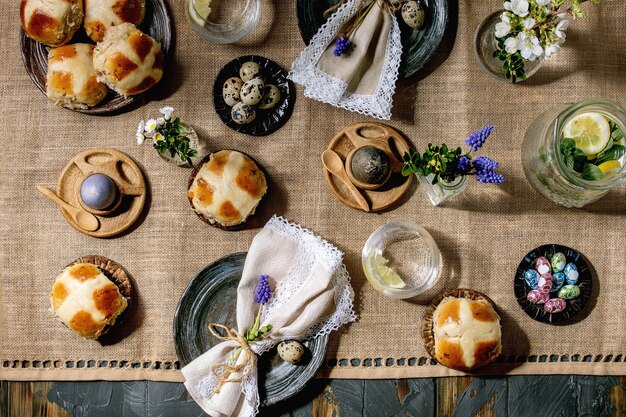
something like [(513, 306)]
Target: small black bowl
[(574, 306), (266, 121)]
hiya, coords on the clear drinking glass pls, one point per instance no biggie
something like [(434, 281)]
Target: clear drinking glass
[(545, 167), (228, 21)]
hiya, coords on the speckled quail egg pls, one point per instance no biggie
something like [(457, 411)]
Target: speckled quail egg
[(231, 90), (291, 351), (242, 113), (252, 91), (413, 14), (271, 97), (249, 71)]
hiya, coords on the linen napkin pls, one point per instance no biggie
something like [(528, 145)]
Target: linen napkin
[(362, 80), (311, 296)]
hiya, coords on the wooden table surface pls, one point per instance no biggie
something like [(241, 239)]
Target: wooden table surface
[(515, 396)]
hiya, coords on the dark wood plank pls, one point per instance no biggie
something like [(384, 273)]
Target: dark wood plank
[(617, 397), (594, 395), (483, 397), (4, 398), (448, 391), (414, 397), (543, 396)]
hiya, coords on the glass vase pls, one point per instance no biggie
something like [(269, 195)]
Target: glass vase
[(194, 143), (228, 20), (442, 190), (545, 167), (485, 45)]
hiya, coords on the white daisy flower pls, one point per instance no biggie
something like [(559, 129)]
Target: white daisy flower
[(167, 112), (160, 121), (141, 127), (158, 137), (140, 138), (151, 125)]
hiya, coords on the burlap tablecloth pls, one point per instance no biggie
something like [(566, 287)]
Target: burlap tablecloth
[(482, 235)]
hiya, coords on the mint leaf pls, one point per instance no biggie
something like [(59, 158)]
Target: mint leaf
[(591, 173), (567, 145), (614, 153), (569, 162)]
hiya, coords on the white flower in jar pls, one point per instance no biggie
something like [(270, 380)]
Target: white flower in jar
[(503, 28), (529, 46), (167, 112), (519, 7), (151, 125)]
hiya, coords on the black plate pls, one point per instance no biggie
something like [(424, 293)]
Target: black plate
[(418, 46), (266, 121), (157, 24), (574, 306), (211, 297)]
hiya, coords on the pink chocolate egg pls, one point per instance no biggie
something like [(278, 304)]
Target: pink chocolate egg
[(545, 282), (542, 265), (555, 305), (538, 297)]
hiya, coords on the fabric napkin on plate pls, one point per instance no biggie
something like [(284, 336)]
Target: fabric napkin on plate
[(311, 296), (362, 80)]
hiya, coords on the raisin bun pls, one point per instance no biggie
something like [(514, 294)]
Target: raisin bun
[(51, 22), (226, 188), (100, 15), (71, 81), (464, 331), (90, 295), (127, 60)]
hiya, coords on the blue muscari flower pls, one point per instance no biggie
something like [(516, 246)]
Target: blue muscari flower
[(342, 46), (488, 176), (462, 165), (263, 292), (482, 163), (477, 139)]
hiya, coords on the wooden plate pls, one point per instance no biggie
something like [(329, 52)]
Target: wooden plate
[(381, 136), (418, 46), (536, 311), (266, 121), (211, 298), (123, 171), (157, 24)]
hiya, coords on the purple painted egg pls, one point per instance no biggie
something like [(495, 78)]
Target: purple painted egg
[(98, 191)]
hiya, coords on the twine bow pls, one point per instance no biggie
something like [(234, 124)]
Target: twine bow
[(223, 371)]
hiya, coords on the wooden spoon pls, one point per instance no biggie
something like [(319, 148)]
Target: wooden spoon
[(334, 164), (84, 219)]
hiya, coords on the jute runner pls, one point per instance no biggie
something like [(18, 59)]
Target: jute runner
[(482, 235)]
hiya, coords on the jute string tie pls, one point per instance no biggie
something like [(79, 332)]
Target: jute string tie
[(223, 371)]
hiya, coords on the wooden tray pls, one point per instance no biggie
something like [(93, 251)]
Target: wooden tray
[(123, 171), (157, 24), (381, 136)]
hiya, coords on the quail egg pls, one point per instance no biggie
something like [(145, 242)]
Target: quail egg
[(271, 97), (413, 14), (242, 113), (231, 90), (290, 351), (252, 91), (249, 71)]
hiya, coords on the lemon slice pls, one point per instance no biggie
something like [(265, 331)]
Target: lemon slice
[(610, 168), (202, 8), (388, 274), (590, 131)]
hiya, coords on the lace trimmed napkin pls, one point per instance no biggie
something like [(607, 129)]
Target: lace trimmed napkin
[(311, 296), (363, 80)]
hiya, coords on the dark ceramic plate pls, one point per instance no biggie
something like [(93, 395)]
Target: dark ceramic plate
[(418, 46), (574, 306), (266, 121), (156, 23), (210, 297)]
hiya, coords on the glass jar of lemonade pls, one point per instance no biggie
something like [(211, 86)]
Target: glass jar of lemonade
[(223, 21), (575, 154)]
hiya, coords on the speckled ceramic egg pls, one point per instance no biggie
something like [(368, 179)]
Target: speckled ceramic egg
[(271, 97), (531, 277), (249, 71), (231, 90), (571, 274), (558, 262), (413, 14), (98, 191), (569, 292), (252, 91), (291, 351), (558, 279), (242, 113)]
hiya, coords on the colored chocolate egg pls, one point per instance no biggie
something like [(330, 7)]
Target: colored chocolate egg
[(531, 277), (569, 292), (98, 191), (558, 262), (554, 305), (571, 273), (544, 283), (558, 280), (537, 297), (542, 265)]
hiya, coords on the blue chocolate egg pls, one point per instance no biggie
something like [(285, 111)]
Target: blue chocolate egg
[(98, 191), (558, 279), (558, 262), (532, 278), (571, 274)]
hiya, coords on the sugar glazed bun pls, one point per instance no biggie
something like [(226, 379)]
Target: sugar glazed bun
[(51, 22), (71, 81), (226, 190), (467, 333), (100, 15), (86, 300), (128, 61)]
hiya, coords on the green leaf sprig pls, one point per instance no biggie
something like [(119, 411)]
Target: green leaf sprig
[(438, 161)]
